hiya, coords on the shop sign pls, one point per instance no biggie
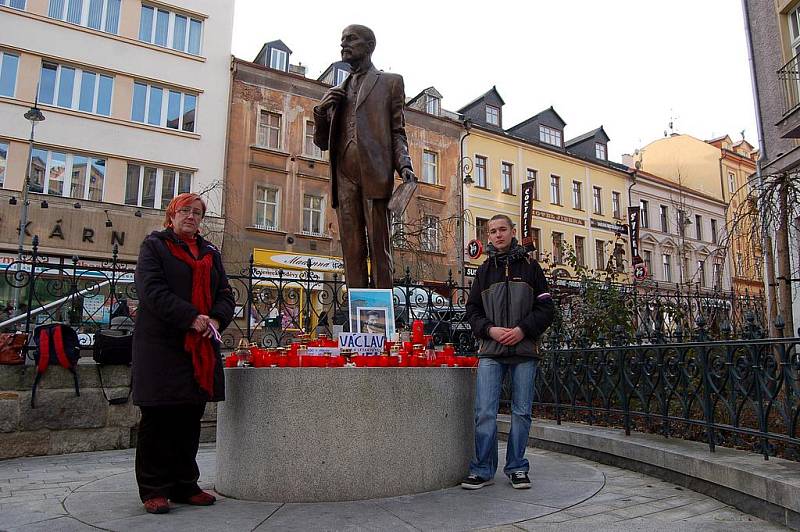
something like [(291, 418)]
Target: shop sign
[(474, 249), (526, 212), (558, 217), (614, 227), (295, 275), (296, 261), (633, 223), (470, 271)]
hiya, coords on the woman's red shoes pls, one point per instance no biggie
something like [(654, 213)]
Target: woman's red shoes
[(157, 505), (198, 499)]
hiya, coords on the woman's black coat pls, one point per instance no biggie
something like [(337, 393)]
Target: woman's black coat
[(163, 373)]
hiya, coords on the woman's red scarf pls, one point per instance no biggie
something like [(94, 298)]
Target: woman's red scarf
[(203, 356)]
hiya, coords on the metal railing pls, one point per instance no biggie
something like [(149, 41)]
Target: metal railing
[(789, 80)]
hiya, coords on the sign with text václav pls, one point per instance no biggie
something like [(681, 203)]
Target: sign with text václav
[(362, 343)]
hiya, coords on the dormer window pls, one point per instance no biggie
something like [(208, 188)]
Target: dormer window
[(341, 75), (551, 136), (492, 115), (279, 59), (600, 151), (432, 105)]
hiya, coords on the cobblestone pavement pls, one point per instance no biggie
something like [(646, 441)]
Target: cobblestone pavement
[(97, 491)]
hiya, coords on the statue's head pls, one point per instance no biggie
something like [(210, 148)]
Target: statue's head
[(358, 43)]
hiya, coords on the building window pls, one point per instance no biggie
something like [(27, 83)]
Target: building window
[(432, 105), (74, 88), (794, 30), (430, 234), (580, 252), (533, 176), (739, 265), (16, 4), (701, 273), (430, 167), (480, 172), (664, 215), (558, 248), (3, 162), (577, 195), (341, 76), (597, 200), (507, 172), (759, 267), (67, 174), (8, 73), (647, 257), (682, 221), (398, 231), (102, 15), (312, 150), (269, 130), (152, 187), (731, 183), (267, 207), (549, 135), (170, 30), (600, 254), (492, 115), (159, 106), (279, 59), (616, 205), (313, 214), (698, 227), (600, 151), (713, 231), (482, 230), (536, 238), (666, 263), (716, 272), (555, 189), (644, 214)]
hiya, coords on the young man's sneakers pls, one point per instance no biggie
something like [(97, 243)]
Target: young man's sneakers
[(519, 480), (474, 482)]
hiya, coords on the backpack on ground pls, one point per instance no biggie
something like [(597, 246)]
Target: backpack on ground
[(56, 343)]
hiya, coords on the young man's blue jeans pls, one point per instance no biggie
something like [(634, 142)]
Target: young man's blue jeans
[(487, 402)]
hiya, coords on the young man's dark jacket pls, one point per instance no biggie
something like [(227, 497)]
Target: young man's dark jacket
[(163, 373), (509, 290)]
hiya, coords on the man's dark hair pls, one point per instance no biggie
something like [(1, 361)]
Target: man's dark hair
[(503, 217)]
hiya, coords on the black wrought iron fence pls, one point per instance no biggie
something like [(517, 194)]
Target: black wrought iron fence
[(741, 392)]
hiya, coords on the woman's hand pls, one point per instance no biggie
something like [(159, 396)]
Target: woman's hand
[(209, 333), (200, 323)]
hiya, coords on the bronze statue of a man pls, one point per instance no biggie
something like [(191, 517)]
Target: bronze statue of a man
[(362, 123)]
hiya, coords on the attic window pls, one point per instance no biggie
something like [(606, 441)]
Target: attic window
[(600, 151), (492, 115), (341, 75), (549, 135), (432, 105), (278, 59)]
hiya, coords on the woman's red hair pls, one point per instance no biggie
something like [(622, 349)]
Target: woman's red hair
[(179, 201)]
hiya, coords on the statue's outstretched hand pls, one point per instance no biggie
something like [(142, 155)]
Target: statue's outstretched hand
[(408, 174)]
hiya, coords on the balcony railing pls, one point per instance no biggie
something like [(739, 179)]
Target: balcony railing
[(789, 77)]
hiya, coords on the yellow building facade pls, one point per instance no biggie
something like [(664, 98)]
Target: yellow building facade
[(722, 169), (579, 202)]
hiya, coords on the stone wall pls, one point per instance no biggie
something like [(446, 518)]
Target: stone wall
[(63, 423)]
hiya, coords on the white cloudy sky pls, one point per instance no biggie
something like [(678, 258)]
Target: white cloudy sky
[(629, 65)]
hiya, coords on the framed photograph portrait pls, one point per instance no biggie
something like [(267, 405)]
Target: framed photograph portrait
[(371, 311)]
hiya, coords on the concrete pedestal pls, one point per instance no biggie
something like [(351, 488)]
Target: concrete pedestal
[(340, 434)]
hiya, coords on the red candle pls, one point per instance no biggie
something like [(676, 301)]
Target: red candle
[(417, 332)]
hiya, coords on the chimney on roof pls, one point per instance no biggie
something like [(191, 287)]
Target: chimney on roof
[(299, 69)]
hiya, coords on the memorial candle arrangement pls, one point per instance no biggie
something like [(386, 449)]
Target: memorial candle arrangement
[(324, 352)]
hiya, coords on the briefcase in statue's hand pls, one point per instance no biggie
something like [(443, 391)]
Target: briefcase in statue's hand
[(402, 196)]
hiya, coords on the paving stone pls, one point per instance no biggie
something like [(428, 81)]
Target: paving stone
[(363, 515), (22, 513), (61, 524)]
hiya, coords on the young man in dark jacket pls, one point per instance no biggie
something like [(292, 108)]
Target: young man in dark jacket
[(509, 307)]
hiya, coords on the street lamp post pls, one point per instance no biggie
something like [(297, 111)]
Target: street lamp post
[(33, 115), (464, 167)]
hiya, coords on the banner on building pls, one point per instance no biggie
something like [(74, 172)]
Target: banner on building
[(633, 223), (526, 214)]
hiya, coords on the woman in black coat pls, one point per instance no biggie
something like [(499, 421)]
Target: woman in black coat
[(185, 301)]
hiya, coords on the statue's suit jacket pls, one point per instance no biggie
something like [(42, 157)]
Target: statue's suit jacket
[(380, 134)]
